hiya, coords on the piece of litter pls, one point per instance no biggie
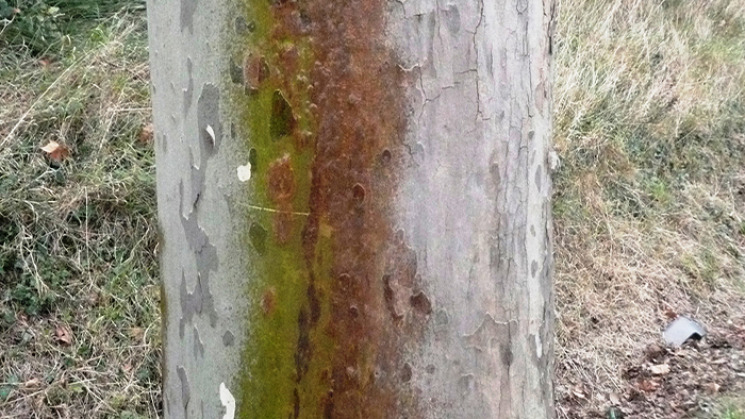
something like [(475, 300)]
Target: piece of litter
[(682, 329), (244, 172)]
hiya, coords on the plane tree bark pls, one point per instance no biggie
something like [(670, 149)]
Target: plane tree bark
[(354, 204)]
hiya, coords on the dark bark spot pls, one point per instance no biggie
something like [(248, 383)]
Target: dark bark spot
[(208, 115), (315, 305), (358, 192), (389, 296), (303, 352), (198, 344), (242, 27), (283, 225), (328, 405), (406, 373), (257, 235), (283, 121), (253, 159), (288, 57), (255, 71), (227, 338), (281, 181), (385, 157), (236, 72), (421, 303), (268, 301), (539, 177), (505, 351), (296, 403)]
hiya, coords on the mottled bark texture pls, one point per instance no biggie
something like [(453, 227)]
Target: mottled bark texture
[(354, 201)]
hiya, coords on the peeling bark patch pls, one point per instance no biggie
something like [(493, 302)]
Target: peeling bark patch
[(208, 115), (185, 389), (467, 384), (188, 7), (189, 90), (198, 344), (484, 337), (200, 299), (453, 19)]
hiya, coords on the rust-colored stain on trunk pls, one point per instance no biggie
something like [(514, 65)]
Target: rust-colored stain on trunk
[(359, 111), (362, 303)]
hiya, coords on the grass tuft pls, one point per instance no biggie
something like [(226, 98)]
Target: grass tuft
[(78, 237), (650, 198)]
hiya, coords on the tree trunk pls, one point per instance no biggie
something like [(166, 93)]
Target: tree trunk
[(354, 204)]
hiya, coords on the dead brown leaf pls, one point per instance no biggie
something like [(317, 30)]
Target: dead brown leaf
[(127, 368), (63, 335), (660, 369), (146, 134), (649, 386), (136, 333), (34, 382), (56, 151), (712, 388)]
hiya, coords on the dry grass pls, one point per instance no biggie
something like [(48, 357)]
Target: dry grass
[(650, 199), (649, 205), (79, 330)]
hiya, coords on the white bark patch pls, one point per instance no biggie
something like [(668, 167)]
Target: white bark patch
[(228, 401), (554, 162), (244, 172)]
